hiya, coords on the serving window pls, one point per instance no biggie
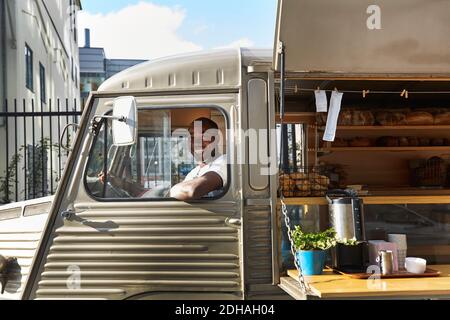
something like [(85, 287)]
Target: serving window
[(392, 137), (161, 158)]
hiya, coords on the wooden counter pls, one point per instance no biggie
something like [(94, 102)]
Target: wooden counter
[(334, 286), (377, 200)]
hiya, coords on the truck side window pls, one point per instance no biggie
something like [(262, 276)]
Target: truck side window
[(166, 156)]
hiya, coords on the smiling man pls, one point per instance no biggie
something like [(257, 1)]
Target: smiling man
[(210, 175)]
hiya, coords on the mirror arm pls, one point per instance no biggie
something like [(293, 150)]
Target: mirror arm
[(100, 118), (97, 120)]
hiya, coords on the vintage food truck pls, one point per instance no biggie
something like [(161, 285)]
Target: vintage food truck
[(96, 239)]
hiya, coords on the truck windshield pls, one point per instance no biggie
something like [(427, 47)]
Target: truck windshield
[(161, 158)]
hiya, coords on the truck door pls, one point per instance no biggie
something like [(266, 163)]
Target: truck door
[(260, 183), (118, 234)]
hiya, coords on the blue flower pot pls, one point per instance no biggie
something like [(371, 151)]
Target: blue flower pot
[(312, 262)]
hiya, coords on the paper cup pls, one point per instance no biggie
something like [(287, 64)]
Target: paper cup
[(400, 240)]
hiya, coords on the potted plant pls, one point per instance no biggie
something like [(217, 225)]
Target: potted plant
[(312, 249)]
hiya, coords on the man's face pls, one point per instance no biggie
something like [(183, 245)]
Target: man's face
[(200, 140)]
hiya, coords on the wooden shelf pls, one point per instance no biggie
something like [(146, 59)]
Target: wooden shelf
[(384, 128), (330, 285), (390, 128), (384, 149), (376, 200)]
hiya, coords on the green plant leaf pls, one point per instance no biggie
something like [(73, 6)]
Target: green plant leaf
[(313, 241)]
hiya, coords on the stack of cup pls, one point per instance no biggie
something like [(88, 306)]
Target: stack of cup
[(400, 240)]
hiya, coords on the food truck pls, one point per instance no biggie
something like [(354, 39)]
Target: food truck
[(389, 63)]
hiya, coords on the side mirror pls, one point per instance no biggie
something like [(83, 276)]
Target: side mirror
[(65, 131), (125, 120)]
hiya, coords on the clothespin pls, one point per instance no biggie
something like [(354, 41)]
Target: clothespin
[(296, 89), (405, 94), (335, 89), (365, 93), (318, 88)]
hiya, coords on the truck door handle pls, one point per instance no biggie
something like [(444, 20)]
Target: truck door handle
[(232, 222)]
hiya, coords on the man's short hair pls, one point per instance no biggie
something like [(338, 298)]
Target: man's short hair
[(207, 124)]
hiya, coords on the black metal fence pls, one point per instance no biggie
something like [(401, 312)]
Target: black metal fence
[(33, 159)]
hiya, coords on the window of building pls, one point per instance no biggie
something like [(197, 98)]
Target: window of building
[(71, 14), (42, 83), (29, 67), (76, 77), (72, 69), (161, 159)]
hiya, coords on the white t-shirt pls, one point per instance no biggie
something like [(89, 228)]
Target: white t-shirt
[(218, 166)]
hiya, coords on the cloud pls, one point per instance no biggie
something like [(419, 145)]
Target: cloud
[(201, 28), (244, 42), (141, 31)]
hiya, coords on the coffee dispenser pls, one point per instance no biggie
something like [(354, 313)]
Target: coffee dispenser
[(347, 218)]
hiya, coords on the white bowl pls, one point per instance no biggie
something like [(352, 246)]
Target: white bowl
[(416, 265)]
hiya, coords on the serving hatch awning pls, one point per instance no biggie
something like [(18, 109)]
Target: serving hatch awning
[(364, 37)]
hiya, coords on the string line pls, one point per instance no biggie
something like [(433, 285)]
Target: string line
[(368, 92)]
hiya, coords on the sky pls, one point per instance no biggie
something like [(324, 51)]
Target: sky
[(149, 29)]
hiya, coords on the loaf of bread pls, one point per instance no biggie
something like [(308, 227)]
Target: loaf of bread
[(360, 142), (298, 176), (363, 118), (424, 142), (437, 142), (413, 141), (387, 118), (419, 118), (442, 119), (400, 118), (345, 118), (340, 143), (381, 118), (433, 111), (388, 142), (403, 142), (319, 179), (287, 185), (303, 185)]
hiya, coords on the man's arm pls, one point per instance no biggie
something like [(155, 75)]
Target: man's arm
[(197, 188), (132, 188)]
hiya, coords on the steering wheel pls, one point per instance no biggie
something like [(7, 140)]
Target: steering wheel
[(119, 192), (166, 193)]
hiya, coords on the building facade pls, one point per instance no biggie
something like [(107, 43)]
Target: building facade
[(39, 50), (2, 47), (39, 72), (95, 68)]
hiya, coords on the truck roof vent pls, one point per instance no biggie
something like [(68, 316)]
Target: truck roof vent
[(172, 80), (149, 82), (196, 78), (220, 76)]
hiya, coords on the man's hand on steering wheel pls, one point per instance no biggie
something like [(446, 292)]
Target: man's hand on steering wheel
[(102, 177)]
